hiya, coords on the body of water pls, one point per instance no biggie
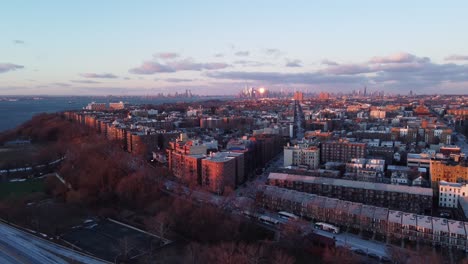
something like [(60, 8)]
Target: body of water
[(17, 110)]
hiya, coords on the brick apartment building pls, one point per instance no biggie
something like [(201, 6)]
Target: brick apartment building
[(218, 171), (397, 197), (449, 170), (341, 151), (366, 218)]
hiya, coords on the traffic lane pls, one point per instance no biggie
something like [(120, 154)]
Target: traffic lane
[(19, 250), (39, 250), (346, 239), (11, 255)]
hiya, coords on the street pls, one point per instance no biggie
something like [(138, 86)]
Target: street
[(17, 247)]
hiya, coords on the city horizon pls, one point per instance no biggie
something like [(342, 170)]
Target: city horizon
[(218, 49)]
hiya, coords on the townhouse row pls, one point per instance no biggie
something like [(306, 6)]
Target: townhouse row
[(366, 218)]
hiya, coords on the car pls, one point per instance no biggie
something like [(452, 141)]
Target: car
[(444, 214), (373, 255)]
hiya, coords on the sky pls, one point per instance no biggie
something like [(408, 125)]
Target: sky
[(220, 47)]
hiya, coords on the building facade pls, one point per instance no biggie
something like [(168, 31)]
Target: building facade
[(450, 192), (396, 197), (366, 218), (306, 156), (341, 151)]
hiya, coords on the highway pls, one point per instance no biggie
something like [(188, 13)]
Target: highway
[(17, 246)]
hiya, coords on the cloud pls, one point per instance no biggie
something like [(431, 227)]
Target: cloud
[(293, 63), (242, 53), (273, 52), (397, 73), (250, 63), (6, 67), (18, 42), (347, 69), (84, 81), (286, 78), (152, 67), (191, 65), (401, 57), (60, 84), (457, 57), (166, 55), (177, 80), (398, 62), (99, 76), (219, 55), (329, 62)]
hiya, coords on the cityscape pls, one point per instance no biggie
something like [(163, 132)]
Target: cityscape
[(156, 142)]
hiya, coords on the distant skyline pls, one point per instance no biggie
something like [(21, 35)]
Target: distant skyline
[(218, 48)]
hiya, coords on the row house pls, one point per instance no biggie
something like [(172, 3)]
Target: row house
[(424, 228), (393, 224), (396, 197)]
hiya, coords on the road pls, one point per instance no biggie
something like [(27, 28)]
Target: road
[(17, 247), (355, 242), (249, 190)]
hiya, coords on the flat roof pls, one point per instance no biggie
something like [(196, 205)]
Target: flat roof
[(368, 210), (355, 208), (343, 205), (381, 213), (352, 184), (398, 168), (395, 216), (424, 221), (409, 219), (331, 203), (451, 184), (319, 201), (440, 225), (456, 227)]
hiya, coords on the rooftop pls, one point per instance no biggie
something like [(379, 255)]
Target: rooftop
[(439, 225), (409, 219), (456, 227), (368, 210), (381, 213), (352, 184), (424, 221), (450, 184), (395, 216)]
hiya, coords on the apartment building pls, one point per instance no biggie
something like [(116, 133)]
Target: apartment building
[(397, 197), (341, 151), (450, 192), (392, 224), (302, 156), (218, 171), (366, 169), (449, 170)]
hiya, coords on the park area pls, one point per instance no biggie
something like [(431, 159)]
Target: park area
[(16, 188)]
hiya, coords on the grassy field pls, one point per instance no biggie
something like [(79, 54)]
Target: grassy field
[(8, 189)]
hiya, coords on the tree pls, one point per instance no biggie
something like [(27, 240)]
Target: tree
[(281, 257), (338, 255), (160, 224)]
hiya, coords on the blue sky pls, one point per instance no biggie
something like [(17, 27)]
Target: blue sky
[(218, 47)]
